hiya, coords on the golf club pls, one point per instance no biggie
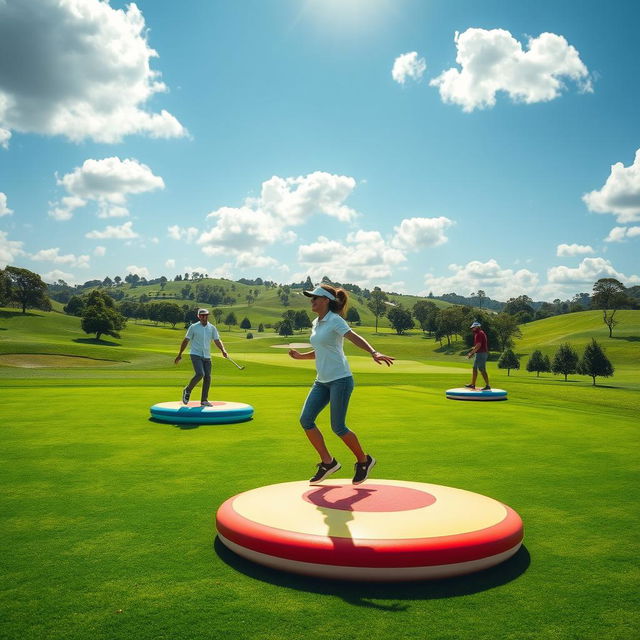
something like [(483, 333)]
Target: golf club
[(234, 362)]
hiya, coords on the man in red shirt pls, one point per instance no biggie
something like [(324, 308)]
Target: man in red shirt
[(481, 351)]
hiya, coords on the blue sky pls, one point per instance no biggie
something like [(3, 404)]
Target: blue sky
[(414, 145)]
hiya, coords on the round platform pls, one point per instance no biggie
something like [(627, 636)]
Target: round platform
[(220, 413), (462, 393), (386, 530)]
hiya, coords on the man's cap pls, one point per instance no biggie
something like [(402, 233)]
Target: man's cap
[(475, 324), (202, 312), (319, 291)]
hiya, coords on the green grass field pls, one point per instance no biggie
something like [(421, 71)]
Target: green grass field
[(108, 518)]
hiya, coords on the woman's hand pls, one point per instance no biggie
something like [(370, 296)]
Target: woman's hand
[(380, 358), (296, 355)]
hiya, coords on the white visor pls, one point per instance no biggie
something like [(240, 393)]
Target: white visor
[(319, 291)]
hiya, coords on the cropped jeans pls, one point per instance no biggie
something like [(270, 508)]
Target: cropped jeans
[(337, 394)]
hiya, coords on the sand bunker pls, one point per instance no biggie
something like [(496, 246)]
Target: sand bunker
[(293, 345)]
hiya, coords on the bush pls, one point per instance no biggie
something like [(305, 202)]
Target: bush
[(249, 336)]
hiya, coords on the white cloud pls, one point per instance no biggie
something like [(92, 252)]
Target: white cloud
[(188, 234), (488, 276), (143, 272), (589, 270), (123, 232), (249, 259), (4, 207), (620, 194), (493, 60), (53, 255), (9, 249), (569, 250), (418, 233), (617, 234), (107, 182), (365, 257), (170, 263), (632, 232), (408, 65), (56, 274), (100, 251), (80, 69), (283, 203)]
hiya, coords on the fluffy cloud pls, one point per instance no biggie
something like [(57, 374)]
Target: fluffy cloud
[(569, 250), (365, 257), (123, 232), (53, 255), (248, 259), (620, 194), (408, 65), (589, 270), (56, 274), (4, 208), (170, 263), (488, 276), (493, 60), (9, 249), (108, 182), (283, 203), (419, 233), (100, 251), (188, 234), (80, 69), (143, 272)]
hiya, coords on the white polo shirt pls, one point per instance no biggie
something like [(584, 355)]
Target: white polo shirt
[(327, 340), (200, 338)]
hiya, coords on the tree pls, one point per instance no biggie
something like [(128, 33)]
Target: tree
[(100, 316), (565, 360), (594, 362), (447, 322), (521, 308), (481, 297), (352, 315), (425, 312), (4, 288), (538, 362), (261, 328), (377, 304), (217, 314), (506, 329), (231, 320), (74, 307), (609, 295), (245, 324), (301, 320), (508, 360), (400, 319), (107, 282), (171, 313), (285, 328), (26, 289), (163, 282)]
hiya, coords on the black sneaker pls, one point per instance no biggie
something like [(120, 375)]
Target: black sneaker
[(325, 469), (362, 470), (206, 403), (487, 388), (469, 386), (186, 394)]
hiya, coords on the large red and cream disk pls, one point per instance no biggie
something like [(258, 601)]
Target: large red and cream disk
[(385, 530)]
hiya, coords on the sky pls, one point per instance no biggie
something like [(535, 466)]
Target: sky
[(417, 145)]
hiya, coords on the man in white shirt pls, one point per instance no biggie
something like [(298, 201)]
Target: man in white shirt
[(200, 334)]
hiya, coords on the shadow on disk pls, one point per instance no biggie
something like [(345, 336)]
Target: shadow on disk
[(362, 593)]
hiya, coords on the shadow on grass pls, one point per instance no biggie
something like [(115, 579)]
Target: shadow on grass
[(188, 426), (627, 338), (12, 314), (105, 343), (362, 594)]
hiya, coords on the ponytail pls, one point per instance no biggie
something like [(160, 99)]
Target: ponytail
[(341, 303)]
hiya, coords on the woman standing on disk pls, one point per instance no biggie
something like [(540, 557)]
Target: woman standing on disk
[(334, 382)]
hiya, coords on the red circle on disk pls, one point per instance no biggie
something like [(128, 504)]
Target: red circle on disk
[(368, 498)]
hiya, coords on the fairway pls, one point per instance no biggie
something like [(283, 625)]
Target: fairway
[(108, 517)]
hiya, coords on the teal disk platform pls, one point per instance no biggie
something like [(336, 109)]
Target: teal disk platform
[(220, 412), (462, 393)]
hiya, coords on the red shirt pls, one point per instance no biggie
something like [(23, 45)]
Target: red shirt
[(480, 338)]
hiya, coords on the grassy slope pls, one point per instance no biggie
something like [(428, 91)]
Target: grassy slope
[(109, 517)]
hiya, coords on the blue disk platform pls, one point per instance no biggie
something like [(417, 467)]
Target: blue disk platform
[(219, 413), (463, 393)]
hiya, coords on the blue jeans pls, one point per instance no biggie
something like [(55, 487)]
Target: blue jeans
[(202, 371), (336, 393)]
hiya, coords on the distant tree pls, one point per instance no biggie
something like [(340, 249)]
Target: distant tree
[(352, 315), (400, 319), (217, 314), (609, 295), (481, 297), (26, 289), (301, 320), (171, 313), (447, 324), (261, 328), (508, 360), (118, 281), (308, 285), (284, 299), (565, 360), (425, 312), (231, 320), (377, 304), (250, 299), (75, 306), (285, 328), (506, 329), (163, 282), (245, 324), (538, 362), (107, 282), (100, 316), (521, 308), (594, 362), (249, 336), (4, 288)]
